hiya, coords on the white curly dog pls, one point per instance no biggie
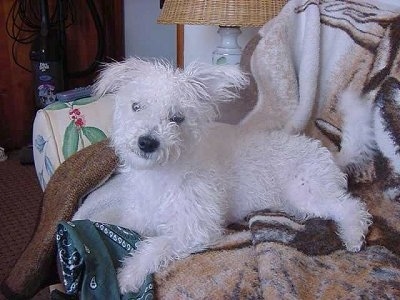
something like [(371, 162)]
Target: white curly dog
[(183, 177)]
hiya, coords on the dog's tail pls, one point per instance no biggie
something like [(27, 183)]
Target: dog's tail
[(355, 139)]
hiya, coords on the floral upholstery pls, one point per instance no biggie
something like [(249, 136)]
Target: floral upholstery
[(61, 129)]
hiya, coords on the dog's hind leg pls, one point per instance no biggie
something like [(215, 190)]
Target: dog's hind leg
[(308, 197)]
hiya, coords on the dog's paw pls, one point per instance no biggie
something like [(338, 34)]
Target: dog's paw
[(354, 239), (131, 275), (354, 246), (129, 281)]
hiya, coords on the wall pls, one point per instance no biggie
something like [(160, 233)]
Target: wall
[(145, 38)]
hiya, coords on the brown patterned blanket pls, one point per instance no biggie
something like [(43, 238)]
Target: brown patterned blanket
[(276, 257), (307, 55)]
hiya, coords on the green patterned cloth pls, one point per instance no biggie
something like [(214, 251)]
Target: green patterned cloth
[(89, 253)]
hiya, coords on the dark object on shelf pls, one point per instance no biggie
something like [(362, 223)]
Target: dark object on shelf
[(47, 61)]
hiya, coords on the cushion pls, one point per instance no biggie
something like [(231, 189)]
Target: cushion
[(61, 129)]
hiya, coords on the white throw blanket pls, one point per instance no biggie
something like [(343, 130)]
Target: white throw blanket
[(312, 52)]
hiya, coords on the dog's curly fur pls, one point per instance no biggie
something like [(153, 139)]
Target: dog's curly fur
[(183, 177)]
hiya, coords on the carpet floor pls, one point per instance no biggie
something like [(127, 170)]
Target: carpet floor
[(20, 203)]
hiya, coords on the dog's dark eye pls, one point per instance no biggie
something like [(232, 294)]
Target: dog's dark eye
[(177, 118), (136, 106)]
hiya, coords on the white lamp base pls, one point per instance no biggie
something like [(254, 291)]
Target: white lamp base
[(229, 51)]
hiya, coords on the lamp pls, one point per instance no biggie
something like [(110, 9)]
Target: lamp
[(229, 15)]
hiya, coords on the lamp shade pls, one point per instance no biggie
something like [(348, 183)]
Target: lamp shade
[(220, 12)]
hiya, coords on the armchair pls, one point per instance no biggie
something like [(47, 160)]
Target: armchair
[(301, 62)]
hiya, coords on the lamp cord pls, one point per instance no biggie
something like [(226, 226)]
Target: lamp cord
[(23, 27)]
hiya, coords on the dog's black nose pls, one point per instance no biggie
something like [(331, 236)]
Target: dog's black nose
[(148, 144)]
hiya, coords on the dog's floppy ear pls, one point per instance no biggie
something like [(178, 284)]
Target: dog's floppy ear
[(117, 74), (221, 82)]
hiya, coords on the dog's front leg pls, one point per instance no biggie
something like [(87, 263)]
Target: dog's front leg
[(190, 219), (151, 254)]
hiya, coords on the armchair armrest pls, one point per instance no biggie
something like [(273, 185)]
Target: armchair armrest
[(73, 179)]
